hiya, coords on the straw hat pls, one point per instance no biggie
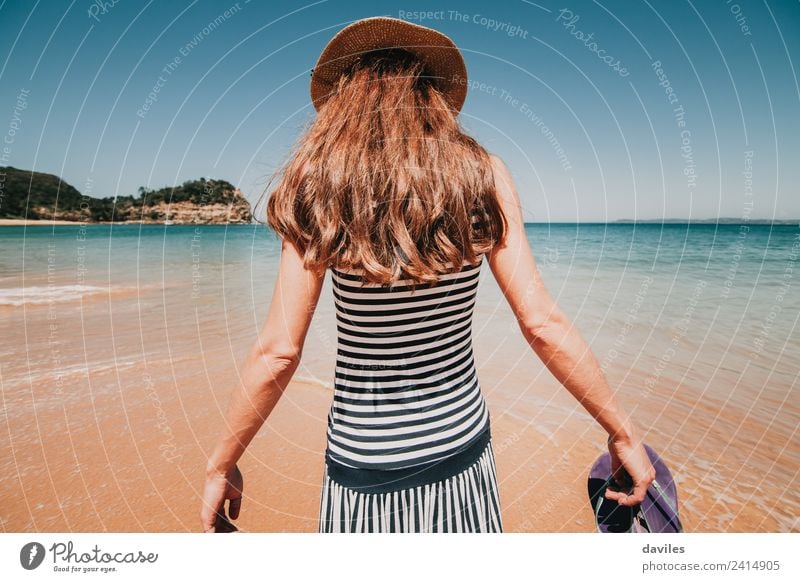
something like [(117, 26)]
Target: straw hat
[(441, 57)]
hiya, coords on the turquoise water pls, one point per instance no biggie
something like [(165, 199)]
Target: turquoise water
[(749, 260), (743, 280), (728, 288), (695, 325), (738, 284)]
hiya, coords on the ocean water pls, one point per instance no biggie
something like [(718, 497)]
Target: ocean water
[(694, 325)]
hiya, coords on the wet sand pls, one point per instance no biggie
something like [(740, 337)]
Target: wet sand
[(113, 397), (108, 461), (86, 470), (121, 446)]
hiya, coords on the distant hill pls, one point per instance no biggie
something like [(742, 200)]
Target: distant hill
[(683, 221), (35, 195), (720, 220)]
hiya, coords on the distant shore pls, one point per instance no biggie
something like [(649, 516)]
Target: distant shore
[(48, 222)]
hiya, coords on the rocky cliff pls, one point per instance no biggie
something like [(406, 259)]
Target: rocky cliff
[(35, 195)]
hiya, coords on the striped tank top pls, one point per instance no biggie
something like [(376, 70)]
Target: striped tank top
[(406, 391)]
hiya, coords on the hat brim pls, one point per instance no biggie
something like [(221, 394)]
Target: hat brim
[(659, 508), (440, 56)]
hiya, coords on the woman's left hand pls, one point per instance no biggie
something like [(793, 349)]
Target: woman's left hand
[(218, 489)]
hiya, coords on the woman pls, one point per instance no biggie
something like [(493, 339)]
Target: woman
[(388, 193)]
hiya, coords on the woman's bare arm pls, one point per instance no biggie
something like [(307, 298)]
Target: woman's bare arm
[(558, 343), (272, 360), (267, 369)]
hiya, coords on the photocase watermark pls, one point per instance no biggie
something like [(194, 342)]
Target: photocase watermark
[(760, 340), (523, 108), (630, 317), (184, 51), (53, 341), (206, 31), (31, 555), (80, 237), (168, 448), (531, 115), (553, 501), (95, 560), (678, 112), (681, 328), (66, 558), (477, 85), (507, 28), (323, 336), (195, 245), (152, 96), (357, 380), (196, 258), (568, 19), (8, 139), (508, 441), (16, 120), (550, 256), (744, 229), (740, 18), (100, 8)]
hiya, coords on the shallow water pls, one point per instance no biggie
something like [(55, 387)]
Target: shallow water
[(696, 326)]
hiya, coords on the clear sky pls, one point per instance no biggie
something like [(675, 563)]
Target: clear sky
[(602, 110)]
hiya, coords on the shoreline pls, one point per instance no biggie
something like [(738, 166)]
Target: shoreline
[(46, 222), (33, 222)]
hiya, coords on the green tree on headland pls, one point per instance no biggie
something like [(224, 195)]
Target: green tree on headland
[(35, 195)]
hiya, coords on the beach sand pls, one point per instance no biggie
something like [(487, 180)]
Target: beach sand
[(139, 482), (113, 396), (122, 447), (29, 222)]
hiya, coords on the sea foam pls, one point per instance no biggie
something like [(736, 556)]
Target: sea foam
[(17, 296)]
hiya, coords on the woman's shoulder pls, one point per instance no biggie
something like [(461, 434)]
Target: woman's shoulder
[(498, 165)]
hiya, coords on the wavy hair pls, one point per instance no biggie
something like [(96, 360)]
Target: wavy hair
[(385, 181)]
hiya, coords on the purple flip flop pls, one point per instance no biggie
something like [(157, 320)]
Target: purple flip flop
[(658, 513)]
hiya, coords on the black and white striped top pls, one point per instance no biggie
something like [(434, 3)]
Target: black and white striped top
[(406, 390)]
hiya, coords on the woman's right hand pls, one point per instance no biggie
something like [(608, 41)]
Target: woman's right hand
[(631, 468), (219, 488)]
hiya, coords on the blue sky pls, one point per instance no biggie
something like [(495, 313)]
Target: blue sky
[(573, 95)]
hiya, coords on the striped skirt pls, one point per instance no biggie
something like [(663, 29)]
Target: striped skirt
[(466, 502)]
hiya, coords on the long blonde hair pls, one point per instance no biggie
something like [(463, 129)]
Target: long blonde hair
[(386, 182)]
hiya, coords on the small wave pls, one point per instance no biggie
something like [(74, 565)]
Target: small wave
[(16, 296)]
